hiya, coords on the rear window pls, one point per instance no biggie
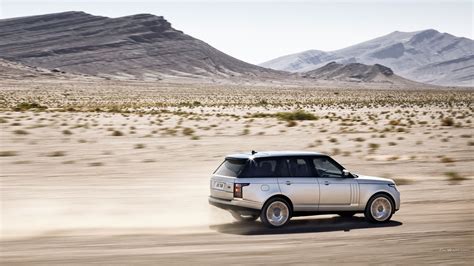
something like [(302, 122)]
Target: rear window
[(271, 167), (231, 167)]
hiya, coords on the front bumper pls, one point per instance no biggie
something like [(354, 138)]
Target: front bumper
[(240, 206)]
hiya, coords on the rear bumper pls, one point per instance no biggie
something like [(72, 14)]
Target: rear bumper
[(240, 206)]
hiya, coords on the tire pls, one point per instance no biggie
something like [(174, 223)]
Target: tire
[(346, 214), (243, 218), (379, 209), (275, 213)]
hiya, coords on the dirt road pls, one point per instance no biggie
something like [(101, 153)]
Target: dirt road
[(434, 225)]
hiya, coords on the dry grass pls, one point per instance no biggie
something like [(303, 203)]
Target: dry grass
[(455, 177), (8, 153)]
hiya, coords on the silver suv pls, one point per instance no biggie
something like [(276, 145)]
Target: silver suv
[(276, 186)]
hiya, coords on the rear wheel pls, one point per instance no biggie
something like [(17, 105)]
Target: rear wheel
[(276, 212), (379, 209), (244, 217)]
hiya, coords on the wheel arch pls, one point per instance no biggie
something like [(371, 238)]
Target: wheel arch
[(282, 197), (390, 197)]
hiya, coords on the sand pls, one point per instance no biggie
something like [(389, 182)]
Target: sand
[(118, 173)]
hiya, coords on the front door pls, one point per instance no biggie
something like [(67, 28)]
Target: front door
[(337, 192), (300, 184)]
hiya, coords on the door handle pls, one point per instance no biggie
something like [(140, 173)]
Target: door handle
[(288, 183), (326, 183)]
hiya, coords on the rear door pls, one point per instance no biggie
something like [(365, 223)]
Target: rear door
[(300, 184)]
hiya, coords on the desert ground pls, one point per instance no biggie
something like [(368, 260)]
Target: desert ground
[(118, 172)]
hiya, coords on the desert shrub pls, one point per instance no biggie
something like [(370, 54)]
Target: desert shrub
[(95, 164), (447, 160), (188, 131), (195, 137), (391, 143), (296, 115), (291, 123), (333, 140), (261, 115), (393, 158), (359, 139), (454, 177), (56, 154), (262, 102), (246, 131), (394, 122), (20, 132), (447, 121), (117, 133), (374, 146), (67, 132), (27, 106), (139, 146), (8, 153)]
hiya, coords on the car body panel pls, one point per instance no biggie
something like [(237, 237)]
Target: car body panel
[(302, 191), (338, 193)]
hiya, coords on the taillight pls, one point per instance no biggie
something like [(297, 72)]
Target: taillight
[(238, 187)]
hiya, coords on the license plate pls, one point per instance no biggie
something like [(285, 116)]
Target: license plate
[(219, 185)]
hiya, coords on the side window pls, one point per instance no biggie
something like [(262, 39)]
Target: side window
[(299, 167), (326, 168), (266, 168)]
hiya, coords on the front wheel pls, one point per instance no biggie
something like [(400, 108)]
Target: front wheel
[(275, 213), (379, 209), (244, 218)]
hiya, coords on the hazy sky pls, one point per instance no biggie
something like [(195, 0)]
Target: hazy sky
[(257, 31)]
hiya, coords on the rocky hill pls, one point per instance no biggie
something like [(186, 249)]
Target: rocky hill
[(356, 72), (143, 47)]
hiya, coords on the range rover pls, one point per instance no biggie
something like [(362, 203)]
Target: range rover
[(275, 186)]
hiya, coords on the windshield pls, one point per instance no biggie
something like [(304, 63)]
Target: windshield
[(231, 167)]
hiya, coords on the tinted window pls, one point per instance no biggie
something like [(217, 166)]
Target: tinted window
[(326, 168), (231, 167), (271, 167), (299, 167)]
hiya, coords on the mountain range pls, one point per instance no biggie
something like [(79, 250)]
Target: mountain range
[(426, 56), (146, 47)]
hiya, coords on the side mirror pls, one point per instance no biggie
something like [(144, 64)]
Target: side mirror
[(346, 173)]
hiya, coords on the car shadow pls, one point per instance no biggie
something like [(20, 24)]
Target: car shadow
[(315, 225)]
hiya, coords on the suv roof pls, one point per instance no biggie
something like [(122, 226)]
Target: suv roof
[(263, 154)]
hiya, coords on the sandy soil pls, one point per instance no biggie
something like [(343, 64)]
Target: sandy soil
[(121, 176)]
